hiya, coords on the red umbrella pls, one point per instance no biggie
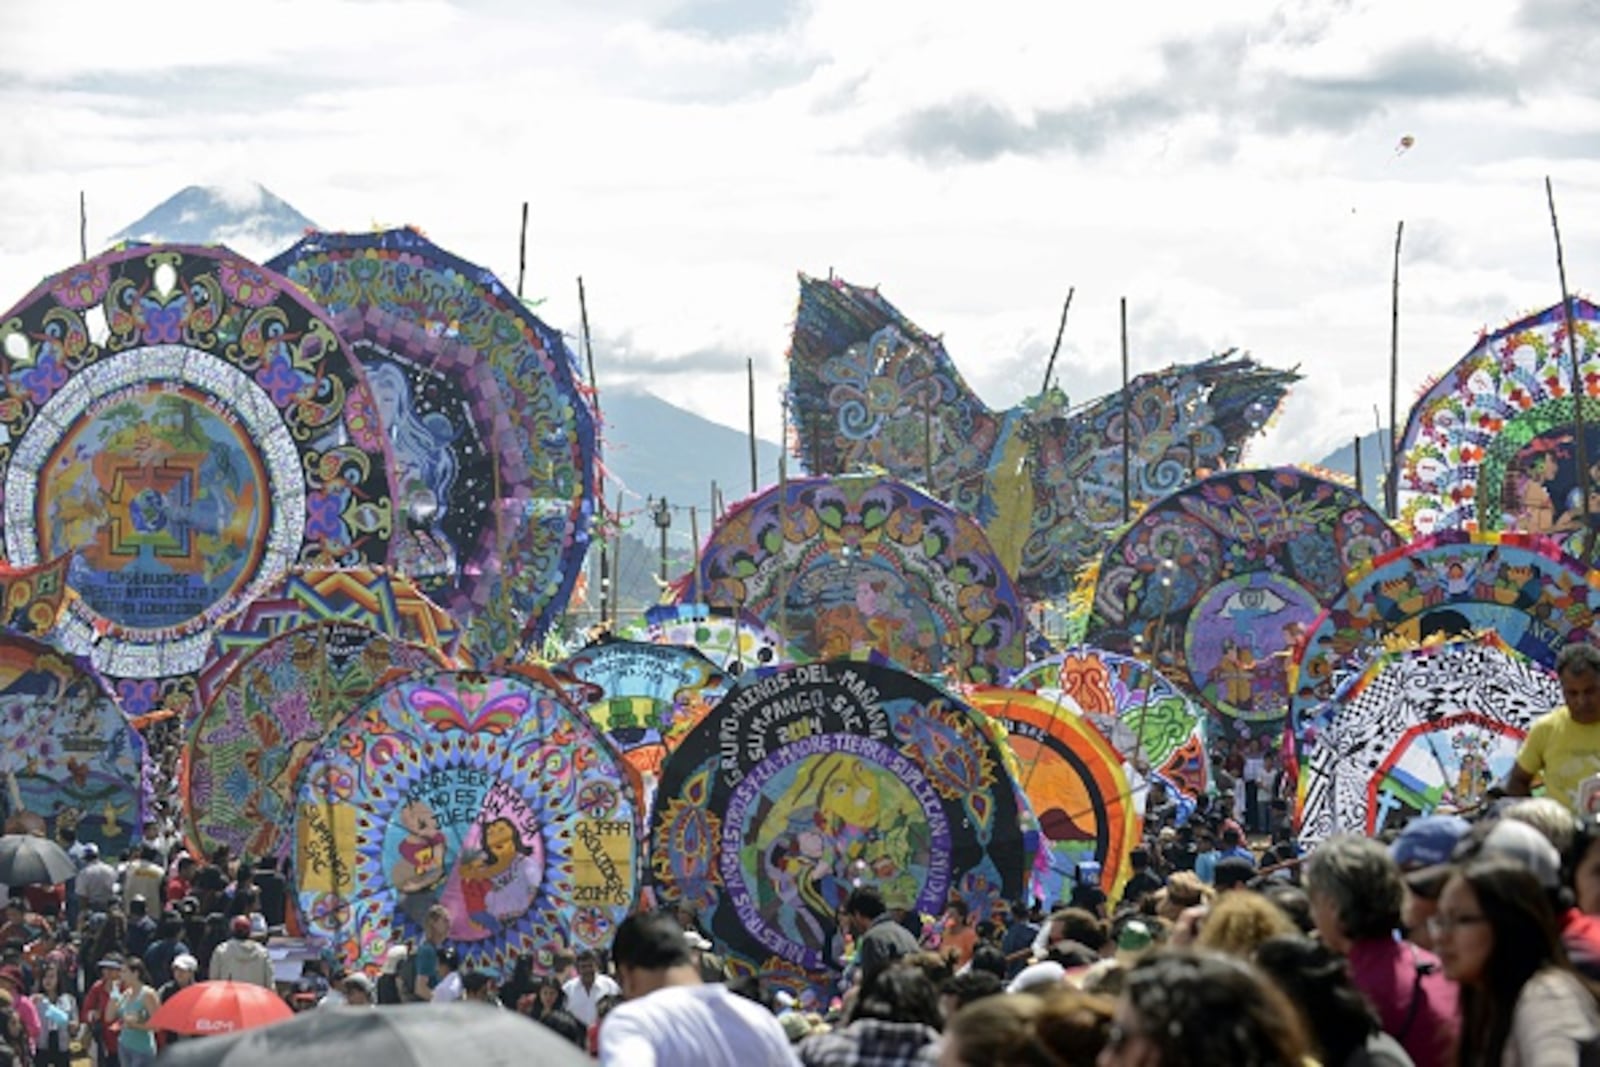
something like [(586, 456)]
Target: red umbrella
[(219, 1008)]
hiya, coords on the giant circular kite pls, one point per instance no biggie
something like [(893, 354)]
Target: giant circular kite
[(848, 566), (1420, 729), (74, 759), (494, 444), (1074, 781), (277, 705), (189, 425), (371, 597), (1519, 586), (1491, 445), (1151, 722), (1220, 580), (487, 793), (736, 640), (807, 781)]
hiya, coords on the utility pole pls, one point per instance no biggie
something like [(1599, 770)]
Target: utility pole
[(663, 517)]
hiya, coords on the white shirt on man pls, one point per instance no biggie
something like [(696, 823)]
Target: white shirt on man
[(693, 1026), (583, 1003), (448, 989)]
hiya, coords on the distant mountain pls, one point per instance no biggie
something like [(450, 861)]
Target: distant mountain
[(1374, 465), (654, 449), (250, 219)]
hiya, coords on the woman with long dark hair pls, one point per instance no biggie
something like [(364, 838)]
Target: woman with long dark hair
[(1521, 1002), (58, 1013)]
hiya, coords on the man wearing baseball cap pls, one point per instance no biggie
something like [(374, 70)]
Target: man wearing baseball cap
[(1422, 852), (184, 969), (240, 959)]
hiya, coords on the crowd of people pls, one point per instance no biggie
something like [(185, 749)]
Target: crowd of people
[(1465, 938)]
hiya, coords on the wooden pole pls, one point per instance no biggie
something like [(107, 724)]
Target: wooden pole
[(694, 536), (522, 251), (1061, 331), (600, 471), (1127, 426), (1393, 500), (1576, 378), (616, 552), (83, 224), (1361, 485), (750, 403)]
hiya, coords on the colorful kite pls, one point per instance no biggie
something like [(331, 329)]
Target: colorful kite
[(69, 757), (1490, 445), (189, 425), (1074, 782), (1518, 586), (32, 598), (1219, 581), (488, 793), (280, 702), (493, 441), (1419, 730), (851, 566), (807, 781), (1151, 723), (735, 640), (867, 388), (646, 697), (369, 597)]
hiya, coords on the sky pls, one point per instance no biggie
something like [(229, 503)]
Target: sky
[(1234, 171)]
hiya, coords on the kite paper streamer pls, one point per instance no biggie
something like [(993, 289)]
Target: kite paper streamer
[(494, 444), (1219, 581), (851, 566), (75, 760), (1074, 781), (1420, 729), (370, 597), (867, 388), (487, 793), (188, 425), (1150, 722), (809, 780), (32, 598), (735, 640), (646, 697), (1518, 586), (283, 697), (1490, 445)]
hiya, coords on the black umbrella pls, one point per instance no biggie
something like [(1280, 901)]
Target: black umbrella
[(29, 860), (395, 1036)]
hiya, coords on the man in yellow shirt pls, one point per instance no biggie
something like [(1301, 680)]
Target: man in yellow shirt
[(1564, 746)]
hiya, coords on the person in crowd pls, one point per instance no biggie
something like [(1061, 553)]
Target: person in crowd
[(879, 938), (1017, 941), (1181, 1008), (520, 983), (1073, 925), (563, 1023), (272, 890), (895, 1021), (1521, 1003), (547, 998), (1518, 839), (1580, 866), (1343, 1029), (143, 877), (1291, 899), (1563, 747), (241, 958), (962, 989), (584, 991), (478, 987), (389, 975), (1421, 901), (670, 1018), (15, 983), (184, 970), (435, 928), (1206, 854), (1144, 881), (1355, 892), (17, 929), (1231, 836), (449, 987), (93, 1009), (141, 928), (96, 883), (1240, 922), (168, 943), (58, 1016), (131, 1005), (957, 937), (1231, 873), (180, 881), (358, 990), (1057, 1028), (13, 1038)]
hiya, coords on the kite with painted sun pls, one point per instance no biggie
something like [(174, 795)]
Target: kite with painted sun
[(70, 759), (849, 566), (868, 388), (1521, 587), (1417, 730), (1219, 581), (807, 781), (189, 425), (493, 440), (1073, 779), (280, 701), (1491, 444), (1151, 723), (487, 793)]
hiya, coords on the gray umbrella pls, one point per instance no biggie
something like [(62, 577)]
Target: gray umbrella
[(393, 1036), (29, 860)]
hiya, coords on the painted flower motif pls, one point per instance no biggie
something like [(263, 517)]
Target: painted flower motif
[(163, 325), (281, 381), (247, 284), (324, 513), (82, 287), (361, 417), (43, 379)]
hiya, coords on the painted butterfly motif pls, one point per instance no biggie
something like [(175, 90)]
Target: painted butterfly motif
[(468, 712)]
